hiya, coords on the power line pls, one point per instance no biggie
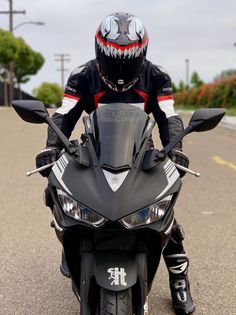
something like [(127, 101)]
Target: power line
[(11, 13), (62, 58)]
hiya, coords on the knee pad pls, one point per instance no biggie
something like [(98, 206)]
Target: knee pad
[(177, 234)]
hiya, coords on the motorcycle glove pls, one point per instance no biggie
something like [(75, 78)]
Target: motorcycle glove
[(180, 158), (46, 156)]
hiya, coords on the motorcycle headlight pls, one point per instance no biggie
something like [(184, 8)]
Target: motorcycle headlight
[(79, 212), (147, 215)]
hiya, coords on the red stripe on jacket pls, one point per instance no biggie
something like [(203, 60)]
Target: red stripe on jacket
[(164, 98), (72, 97), (97, 96), (144, 96)]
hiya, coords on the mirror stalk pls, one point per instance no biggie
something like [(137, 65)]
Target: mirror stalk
[(161, 155), (68, 145)]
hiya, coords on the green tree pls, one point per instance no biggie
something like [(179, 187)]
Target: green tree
[(195, 80), (28, 62), (25, 60), (8, 54), (181, 86), (49, 93), (174, 87), (8, 48)]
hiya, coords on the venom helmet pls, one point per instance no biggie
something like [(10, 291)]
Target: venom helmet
[(121, 45)]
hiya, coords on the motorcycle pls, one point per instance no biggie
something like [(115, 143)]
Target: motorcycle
[(112, 198)]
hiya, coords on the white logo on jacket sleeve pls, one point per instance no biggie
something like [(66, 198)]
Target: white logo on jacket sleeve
[(117, 275), (69, 88), (167, 89)]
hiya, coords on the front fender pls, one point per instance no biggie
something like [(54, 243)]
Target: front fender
[(115, 271)]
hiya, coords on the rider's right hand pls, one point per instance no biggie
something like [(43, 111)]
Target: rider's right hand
[(46, 156)]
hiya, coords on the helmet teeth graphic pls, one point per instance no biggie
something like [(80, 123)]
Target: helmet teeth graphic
[(125, 53), (108, 50), (114, 52), (111, 51), (137, 52)]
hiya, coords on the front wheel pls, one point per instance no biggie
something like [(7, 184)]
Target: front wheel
[(115, 303)]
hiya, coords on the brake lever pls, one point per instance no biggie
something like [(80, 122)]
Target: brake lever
[(40, 169), (187, 170)]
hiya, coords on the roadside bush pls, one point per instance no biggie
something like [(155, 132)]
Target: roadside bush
[(221, 93), (49, 93)]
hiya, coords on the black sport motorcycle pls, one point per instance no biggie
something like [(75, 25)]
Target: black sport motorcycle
[(112, 199)]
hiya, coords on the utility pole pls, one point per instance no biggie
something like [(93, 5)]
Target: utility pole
[(187, 73), (11, 13), (235, 45), (62, 58)]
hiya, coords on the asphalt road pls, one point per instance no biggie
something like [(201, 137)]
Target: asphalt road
[(30, 281)]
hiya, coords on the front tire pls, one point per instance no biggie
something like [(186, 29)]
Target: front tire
[(115, 303)]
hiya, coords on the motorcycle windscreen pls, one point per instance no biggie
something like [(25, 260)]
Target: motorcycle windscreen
[(118, 132)]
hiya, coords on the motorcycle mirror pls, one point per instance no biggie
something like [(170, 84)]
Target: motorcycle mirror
[(201, 120), (31, 111), (35, 112), (206, 119)]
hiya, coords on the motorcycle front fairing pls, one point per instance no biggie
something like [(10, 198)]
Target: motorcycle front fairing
[(122, 130), (97, 252)]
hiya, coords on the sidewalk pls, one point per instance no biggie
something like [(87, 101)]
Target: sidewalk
[(229, 122)]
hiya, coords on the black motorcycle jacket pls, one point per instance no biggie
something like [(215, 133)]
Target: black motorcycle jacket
[(86, 91)]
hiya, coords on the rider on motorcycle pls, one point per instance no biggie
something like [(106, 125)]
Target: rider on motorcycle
[(121, 73)]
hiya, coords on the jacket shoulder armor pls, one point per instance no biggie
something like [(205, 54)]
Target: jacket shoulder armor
[(158, 71), (161, 80), (78, 79), (79, 72)]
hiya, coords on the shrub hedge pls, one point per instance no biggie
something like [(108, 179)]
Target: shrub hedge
[(221, 93)]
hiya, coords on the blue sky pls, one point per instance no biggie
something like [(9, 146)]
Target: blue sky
[(202, 31)]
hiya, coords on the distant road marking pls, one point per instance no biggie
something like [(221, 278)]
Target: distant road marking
[(207, 212), (222, 162)]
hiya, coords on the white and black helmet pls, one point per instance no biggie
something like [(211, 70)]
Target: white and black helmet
[(121, 45)]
